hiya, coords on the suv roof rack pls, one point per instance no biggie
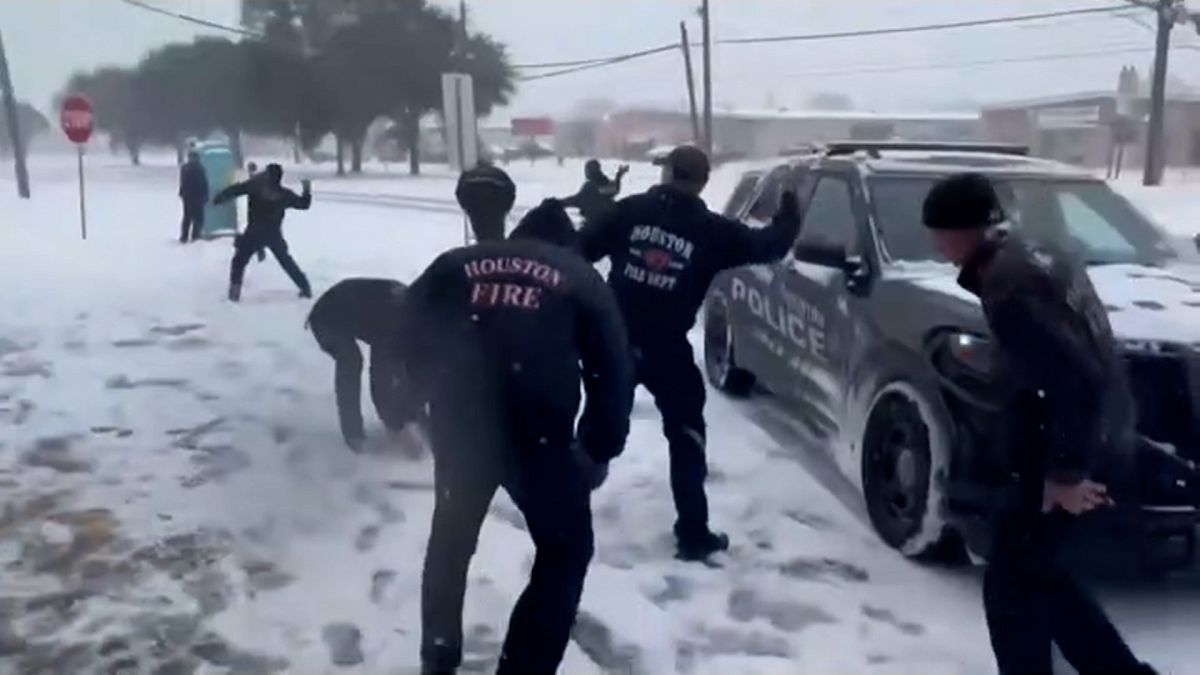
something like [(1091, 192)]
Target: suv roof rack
[(875, 148)]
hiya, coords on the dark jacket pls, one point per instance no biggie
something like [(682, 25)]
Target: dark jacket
[(193, 183), (365, 309), (1066, 406), (268, 203), (665, 247), (595, 198), (485, 189), (505, 331)]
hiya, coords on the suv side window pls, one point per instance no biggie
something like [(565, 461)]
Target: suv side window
[(766, 202), (742, 194), (829, 217)]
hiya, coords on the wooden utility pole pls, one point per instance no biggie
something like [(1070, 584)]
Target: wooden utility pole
[(12, 115), (708, 98), (1152, 172), (691, 81)]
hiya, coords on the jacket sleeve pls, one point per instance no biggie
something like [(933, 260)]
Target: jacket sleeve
[(607, 369), (601, 238), (232, 192), (745, 245), (574, 201), (1053, 360), (301, 202)]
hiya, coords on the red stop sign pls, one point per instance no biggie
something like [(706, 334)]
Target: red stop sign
[(77, 119)]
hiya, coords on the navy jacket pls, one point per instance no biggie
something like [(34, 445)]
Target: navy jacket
[(268, 203), (505, 331), (193, 183), (666, 247)]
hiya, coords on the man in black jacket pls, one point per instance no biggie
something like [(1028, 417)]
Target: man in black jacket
[(665, 247), (269, 200), (193, 192), (486, 194), (365, 310), (598, 194), (497, 337), (1066, 410)]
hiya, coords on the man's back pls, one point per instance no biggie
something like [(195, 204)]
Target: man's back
[(666, 247), (362, 307), (501, 328)]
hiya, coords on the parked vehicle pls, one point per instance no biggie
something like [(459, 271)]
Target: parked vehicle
[(865, 335)]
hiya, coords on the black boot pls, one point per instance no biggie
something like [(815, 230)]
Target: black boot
[(235, 292), (699, 548)]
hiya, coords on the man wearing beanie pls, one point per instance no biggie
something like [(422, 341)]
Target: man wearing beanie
[(498, 338), (666, 247), (1059, 375)]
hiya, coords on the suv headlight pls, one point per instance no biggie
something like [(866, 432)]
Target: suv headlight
[(970, 351)]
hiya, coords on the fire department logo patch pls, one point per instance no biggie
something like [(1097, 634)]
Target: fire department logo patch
[(656, 259)]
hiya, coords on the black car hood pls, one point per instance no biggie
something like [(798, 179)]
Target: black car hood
[(1160, 304)]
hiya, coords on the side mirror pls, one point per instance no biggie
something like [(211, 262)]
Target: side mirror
[(825, 255)]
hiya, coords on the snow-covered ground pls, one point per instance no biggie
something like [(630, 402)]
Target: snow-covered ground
[(177, 498)]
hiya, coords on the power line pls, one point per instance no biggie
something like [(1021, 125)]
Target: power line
[(192, 19), (571, 67), (1115, 49), (971, 23)]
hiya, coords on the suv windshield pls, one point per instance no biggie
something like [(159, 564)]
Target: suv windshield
[(1084, 218)]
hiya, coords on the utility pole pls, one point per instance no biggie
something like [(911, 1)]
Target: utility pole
[(691, 81), (14, 124), (708, 98), (1152, 172)]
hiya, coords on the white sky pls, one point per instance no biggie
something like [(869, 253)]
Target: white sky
[(48, 39)]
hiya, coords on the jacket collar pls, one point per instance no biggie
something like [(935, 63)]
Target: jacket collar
[(971, 276)]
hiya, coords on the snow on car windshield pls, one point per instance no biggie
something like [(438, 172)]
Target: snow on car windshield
[(1087, 219)]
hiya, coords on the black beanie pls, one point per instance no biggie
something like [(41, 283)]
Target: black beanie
[(547, 222), (964, 201)]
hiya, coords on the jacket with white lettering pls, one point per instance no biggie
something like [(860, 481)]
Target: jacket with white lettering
[(666, 247), (504, 332)]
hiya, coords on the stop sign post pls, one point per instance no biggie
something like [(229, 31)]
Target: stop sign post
[(78, 121)]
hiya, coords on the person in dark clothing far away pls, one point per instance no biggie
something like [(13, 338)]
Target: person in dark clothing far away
[(1066, 410), (665, 247), (497, 337), (269, 201), (193, 192), (486, 194), (363, 310), (598, 194)]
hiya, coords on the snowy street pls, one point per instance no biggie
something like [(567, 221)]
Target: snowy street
[(177, 497)]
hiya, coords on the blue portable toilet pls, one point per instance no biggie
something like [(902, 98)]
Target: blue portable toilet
[(221, 171)]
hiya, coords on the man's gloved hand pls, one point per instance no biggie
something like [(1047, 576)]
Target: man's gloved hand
[(306, 185), (622, 170), (789, 205), (594, 472)]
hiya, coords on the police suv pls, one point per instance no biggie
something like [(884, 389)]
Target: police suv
[(864, 334)]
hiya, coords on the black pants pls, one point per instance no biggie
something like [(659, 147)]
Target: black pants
[(245, 247), (388, 390), (1031, 600), (193, 221), (549, 488), (668, 370)]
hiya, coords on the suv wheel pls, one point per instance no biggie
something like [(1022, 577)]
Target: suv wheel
[(904, 449), (720, 362)]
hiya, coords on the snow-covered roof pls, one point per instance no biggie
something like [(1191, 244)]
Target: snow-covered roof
[(864, 115)]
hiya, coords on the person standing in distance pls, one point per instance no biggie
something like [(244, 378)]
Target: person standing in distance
[(665, 247), (486, 194), (193, 192), (269, 201), (1065, 411), (497, 337), (599, 192)]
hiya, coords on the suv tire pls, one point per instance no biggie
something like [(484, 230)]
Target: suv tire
[(720, 360), (905, 452)]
